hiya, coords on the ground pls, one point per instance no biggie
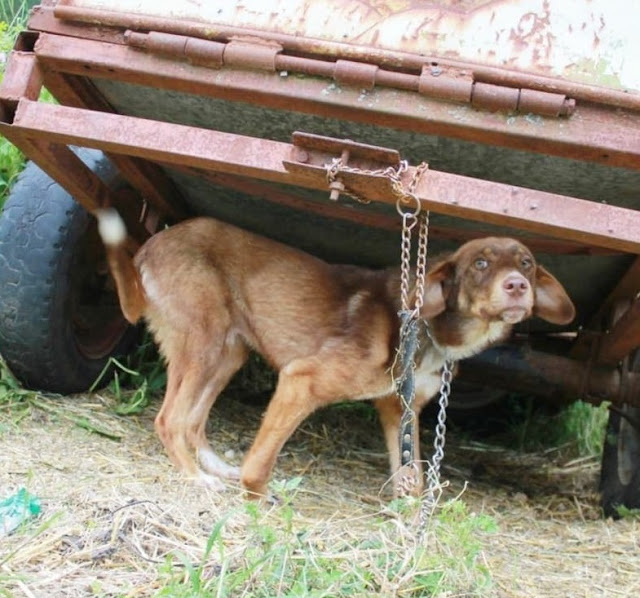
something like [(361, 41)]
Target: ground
[(117, 520)]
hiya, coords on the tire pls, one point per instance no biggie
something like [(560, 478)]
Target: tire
[(60, 320), (466, 396), (620, 473)]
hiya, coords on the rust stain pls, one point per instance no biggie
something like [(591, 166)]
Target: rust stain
[(536, 36)]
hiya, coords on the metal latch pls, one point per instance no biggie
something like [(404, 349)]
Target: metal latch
[(363, 165)]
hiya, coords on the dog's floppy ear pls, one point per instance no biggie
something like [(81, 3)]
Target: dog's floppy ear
[(435, 289), (551, 301)]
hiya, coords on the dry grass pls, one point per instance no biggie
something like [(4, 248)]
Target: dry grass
[(118, 521)]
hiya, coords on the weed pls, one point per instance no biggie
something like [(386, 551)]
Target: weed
[(136, 379), (626, 513), (578, 428), (280, 555), (15, 11), (15, 401)]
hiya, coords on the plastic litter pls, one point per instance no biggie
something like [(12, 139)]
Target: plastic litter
[(17, 509)]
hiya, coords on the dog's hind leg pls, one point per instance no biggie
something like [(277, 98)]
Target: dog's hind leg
[(193, 384), (233, 356)]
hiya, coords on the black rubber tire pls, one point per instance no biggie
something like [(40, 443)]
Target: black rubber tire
[(60, 321), (620, 473)]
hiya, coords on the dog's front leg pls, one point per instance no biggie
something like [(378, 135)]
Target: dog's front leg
[(292, 402), (390, 411)]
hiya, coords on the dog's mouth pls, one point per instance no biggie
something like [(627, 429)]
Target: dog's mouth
[(513, 315)]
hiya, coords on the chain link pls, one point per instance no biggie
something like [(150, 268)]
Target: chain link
[(432, 493), (421, 260)]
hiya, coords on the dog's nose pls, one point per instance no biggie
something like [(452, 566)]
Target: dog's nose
[(515, 285)]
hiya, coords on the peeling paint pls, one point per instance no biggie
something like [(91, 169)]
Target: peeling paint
[(588, 41)]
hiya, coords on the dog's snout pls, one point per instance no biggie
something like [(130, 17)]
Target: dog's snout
[(515, 285)]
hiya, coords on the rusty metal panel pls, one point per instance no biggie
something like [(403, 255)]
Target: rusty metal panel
[(606, 136), (536, 211), (583, 41)]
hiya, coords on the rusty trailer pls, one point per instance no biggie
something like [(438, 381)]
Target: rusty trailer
[(286, 118)]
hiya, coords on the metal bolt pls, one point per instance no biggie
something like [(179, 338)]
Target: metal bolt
[(300, 155), (336, 188)]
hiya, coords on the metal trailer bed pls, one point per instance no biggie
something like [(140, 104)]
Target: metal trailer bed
[(527, 113)]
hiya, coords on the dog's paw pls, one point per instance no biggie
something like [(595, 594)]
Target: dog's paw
[(407, 481), (214, 465), (264, 498), (210, 481)]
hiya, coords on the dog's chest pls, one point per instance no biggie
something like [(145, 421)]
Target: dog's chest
[(428, 377)]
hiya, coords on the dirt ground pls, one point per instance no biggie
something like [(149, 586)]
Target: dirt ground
[(112, 506)]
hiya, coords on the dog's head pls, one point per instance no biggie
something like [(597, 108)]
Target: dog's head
[(495, 279)]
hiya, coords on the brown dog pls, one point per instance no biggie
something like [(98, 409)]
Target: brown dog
[(210, 292)]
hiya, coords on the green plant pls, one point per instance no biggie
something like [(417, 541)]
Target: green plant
[(276, 554), (15, 11), (136, 379), (626, 513), (531, 425), (15, 401)]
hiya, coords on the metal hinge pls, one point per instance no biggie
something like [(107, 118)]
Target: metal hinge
[(434, 81)]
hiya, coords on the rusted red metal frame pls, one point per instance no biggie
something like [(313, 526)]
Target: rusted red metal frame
[(151, 182), (367, 217), (595, 133), (23, 80), (24, 77), (67, 20), (77, 91), (564, 217), (624, 336), (603, 342)]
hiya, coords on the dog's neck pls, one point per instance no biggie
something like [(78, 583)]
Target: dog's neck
[(457, 336)]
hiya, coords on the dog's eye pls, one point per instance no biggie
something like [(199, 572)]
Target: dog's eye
[(527, 263), (481, 263)]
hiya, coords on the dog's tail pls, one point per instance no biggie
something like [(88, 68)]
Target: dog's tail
[(114, 236)]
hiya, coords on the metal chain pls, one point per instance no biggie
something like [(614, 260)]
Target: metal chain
[(408, 223), (421, 260), (394, 174), (434, 489), (409, 207)]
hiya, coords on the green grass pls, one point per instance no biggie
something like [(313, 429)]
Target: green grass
[(578, 428), (281, 556)]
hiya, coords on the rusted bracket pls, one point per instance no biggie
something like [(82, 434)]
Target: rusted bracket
[(313, 156), (24, 79)]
